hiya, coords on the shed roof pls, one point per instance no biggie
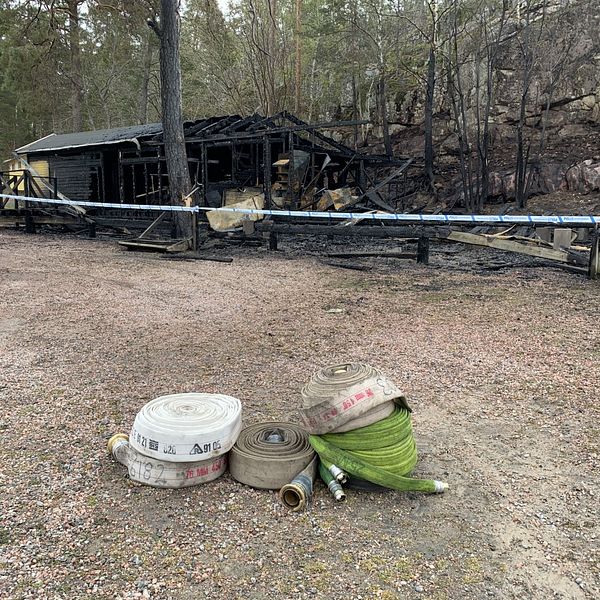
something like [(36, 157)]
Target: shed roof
[(100, 137)]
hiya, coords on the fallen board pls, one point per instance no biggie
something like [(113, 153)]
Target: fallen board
[(192, 256), (518, 247), (156, 245), (372, 254), (594, 266)]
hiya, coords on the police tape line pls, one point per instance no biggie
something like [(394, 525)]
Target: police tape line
[(163, 207), (402, 217)]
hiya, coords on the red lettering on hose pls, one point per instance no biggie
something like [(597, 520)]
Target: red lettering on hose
[(358, 397)]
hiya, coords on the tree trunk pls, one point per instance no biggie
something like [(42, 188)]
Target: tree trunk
[(271, 59), (429, 157), (143, 98), (355, 107), (172, 119), (298, 65), (385, 125), (76, 78)]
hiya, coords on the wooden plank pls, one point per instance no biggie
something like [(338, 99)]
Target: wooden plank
[(156, 245), (346, 265), (594, 266), (375, 198), (387, 231), (513, 246), (189, 256), (372, 193), (372, 254), (179, 246), (351, 222), (153, 225)]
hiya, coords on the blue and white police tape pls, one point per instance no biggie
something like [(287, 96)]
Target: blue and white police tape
[(575, 220), (165, 207)]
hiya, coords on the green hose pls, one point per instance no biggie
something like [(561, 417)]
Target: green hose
[(326, 476), (383, 453)]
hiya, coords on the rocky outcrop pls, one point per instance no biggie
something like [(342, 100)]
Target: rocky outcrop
[(565, 45), (583, 178)]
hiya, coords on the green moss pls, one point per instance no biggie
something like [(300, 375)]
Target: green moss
[(473, 571), (4, 536)]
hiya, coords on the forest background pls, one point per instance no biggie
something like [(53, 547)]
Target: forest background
[(461, 76)]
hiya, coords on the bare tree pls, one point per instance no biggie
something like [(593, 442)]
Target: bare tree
[(379, 39), (432, 6), (172, 118), (264, 47), (145, 86), (528, 41), (429, 31), (473, 47), (298, 58), (76, 77)]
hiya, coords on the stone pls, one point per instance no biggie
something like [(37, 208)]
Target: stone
[(502, 184), (588, 102), (574, 130), (584, 177), (550, 178)]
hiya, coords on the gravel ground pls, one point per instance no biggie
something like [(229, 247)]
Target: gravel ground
[(500, 369)]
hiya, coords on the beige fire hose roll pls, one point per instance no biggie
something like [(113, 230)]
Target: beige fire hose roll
[(347, 396), (187, 427), (270, 455), (161, 473)]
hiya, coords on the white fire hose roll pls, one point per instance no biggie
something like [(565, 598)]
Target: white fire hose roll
[(347, 396), (163, 474), (183, 428)]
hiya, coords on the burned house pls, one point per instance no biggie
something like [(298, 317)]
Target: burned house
[(287, 160)]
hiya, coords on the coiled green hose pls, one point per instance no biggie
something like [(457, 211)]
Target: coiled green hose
[(383, 453)]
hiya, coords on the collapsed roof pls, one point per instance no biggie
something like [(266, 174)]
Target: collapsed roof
[(212, 129)]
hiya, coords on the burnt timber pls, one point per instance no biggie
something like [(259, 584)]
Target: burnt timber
[(291, 163), (127, 165)]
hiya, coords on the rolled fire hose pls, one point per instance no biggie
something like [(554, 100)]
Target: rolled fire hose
[(275, 456), (347, 396), (161, 473), (187, 427), (296, 494), (383, 453)]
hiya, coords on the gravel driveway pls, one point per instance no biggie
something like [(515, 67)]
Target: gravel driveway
[(501, 371)]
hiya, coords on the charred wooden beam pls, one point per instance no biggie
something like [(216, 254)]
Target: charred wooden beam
[(594, 265), (324, 138), (254, 132), (423, 250), (391, 231), (382, 254)]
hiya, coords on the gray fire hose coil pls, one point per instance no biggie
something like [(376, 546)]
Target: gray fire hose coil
[(270, 455), (161, 473), (296, 494), (187, 427), (346, 397)]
